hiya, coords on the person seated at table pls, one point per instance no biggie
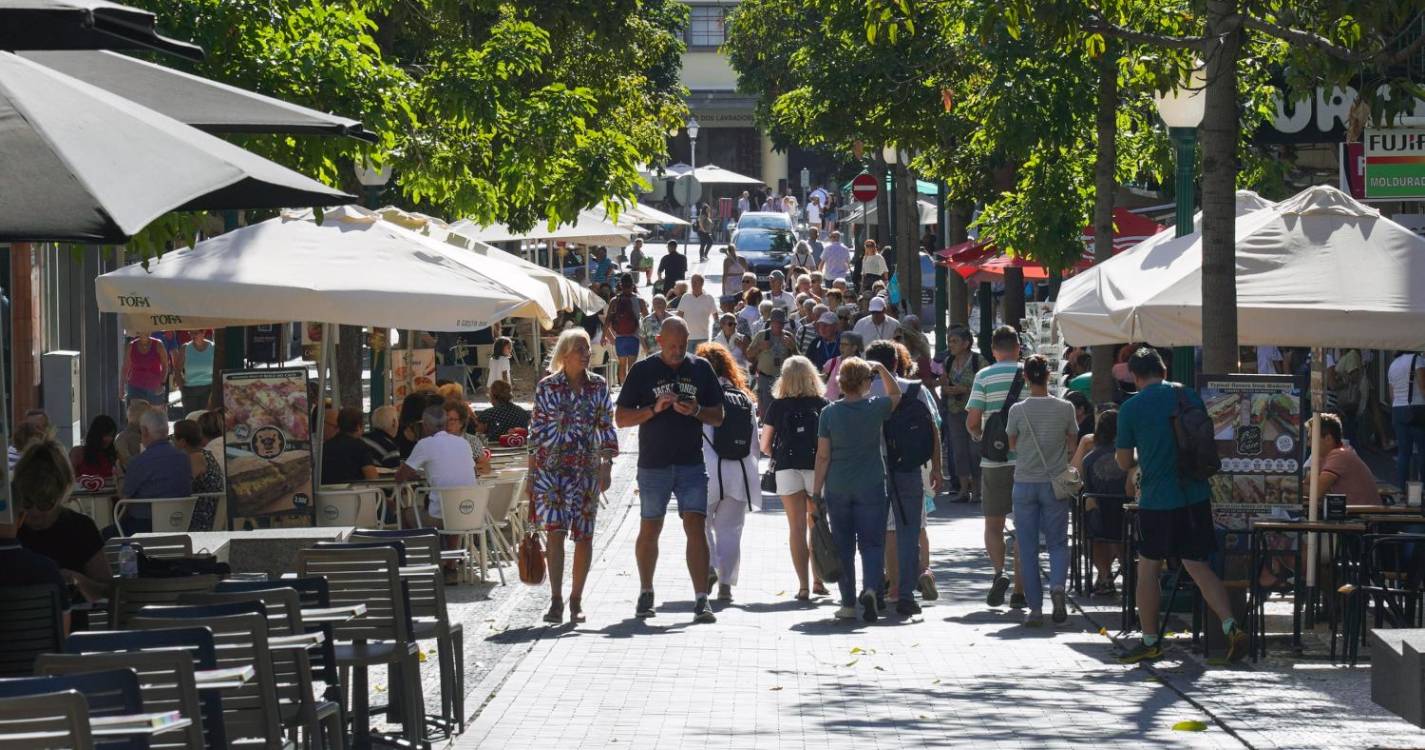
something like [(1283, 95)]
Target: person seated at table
[(1102, 476), (25, 435), (212, 425), (40, 419), (128, 443), (206, 471), (457, 422), (162, 470), (413, 409), (97, 457), (381, 439), (42, 482), (445, 459), (1342, 470), (504, 414), (346, 458)]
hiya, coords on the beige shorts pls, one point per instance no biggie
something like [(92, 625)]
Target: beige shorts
[(792, 481), (997, 490)]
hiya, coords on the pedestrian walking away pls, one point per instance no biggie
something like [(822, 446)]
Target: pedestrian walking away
[(789, 435), (912, 450), (571, 438), (731, 454), (850, 480), (626, 314), (1042, 431), (671, 396), (993, 392), (1174, 512)]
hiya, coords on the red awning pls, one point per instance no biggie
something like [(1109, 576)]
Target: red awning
[(1129, 229), (965, 257)]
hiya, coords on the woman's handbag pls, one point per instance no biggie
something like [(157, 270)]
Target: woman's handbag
[(769, 477), (823, 549), (531, 555), (1067, 483)]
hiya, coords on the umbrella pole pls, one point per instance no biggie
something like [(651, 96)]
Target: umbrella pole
[(1313, 512), (330, 335), (318, 429), (7, 511)]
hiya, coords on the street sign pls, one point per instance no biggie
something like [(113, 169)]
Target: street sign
[(687, 190), (1395, 163), (864, 188)]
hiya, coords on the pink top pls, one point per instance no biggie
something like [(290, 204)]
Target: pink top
[(146, 369)]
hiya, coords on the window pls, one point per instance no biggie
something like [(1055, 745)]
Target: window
[(705, 27)]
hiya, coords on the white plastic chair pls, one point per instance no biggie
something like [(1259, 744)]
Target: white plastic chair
[(465, 513), (171, 515), (350, 507), (505, 494)]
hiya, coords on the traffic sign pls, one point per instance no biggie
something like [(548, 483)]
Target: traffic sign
[(864, 188), (687, 190)]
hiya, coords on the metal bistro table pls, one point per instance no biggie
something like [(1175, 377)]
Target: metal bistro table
[(1344, 533)]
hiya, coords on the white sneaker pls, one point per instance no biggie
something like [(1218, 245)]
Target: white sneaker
[(846, 613)]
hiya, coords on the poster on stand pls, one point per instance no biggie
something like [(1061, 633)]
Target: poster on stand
[(412, 370), (268, 448), (1258, 421)]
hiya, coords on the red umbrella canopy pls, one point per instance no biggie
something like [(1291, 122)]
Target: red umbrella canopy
[(1129, 229)]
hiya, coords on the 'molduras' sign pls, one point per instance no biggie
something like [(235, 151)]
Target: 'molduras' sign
[(1395, 163)]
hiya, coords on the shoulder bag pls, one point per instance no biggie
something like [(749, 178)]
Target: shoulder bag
[(823, 548), (531, 554), (1067, 483)]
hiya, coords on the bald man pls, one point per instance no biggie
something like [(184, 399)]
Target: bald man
[(669, 396)]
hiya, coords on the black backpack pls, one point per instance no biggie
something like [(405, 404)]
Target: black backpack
[(910, 433), (732, 440), (1193, 432), (994, 445), (796, 437)]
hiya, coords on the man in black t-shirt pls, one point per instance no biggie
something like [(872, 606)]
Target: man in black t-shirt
[(670, 396), (672, 268), (346, 458)]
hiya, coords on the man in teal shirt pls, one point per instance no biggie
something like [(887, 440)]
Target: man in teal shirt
[(1174, 512)]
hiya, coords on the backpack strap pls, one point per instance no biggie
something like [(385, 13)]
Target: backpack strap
[(1013, 395)]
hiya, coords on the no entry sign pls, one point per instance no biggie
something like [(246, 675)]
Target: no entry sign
[(864, 188)]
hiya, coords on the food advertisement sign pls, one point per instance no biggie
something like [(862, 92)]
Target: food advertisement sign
[(1258, 422), (412, 370), (268, 445)]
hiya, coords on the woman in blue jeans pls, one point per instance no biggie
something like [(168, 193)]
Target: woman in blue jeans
[(851, 478), (1042, 430)]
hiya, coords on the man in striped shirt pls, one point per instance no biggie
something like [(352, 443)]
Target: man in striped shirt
[(994, 385)]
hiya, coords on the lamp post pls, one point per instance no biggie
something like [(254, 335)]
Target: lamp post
[(890, 156), (373, 183), (692, 162), (1182, 110)]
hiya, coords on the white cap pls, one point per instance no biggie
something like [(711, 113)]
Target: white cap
[(878, 304)]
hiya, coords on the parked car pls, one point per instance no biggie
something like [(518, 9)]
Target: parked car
[(764, 250), (762, 220)]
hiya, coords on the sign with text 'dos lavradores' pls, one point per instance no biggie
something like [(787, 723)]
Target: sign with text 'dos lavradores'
[(1395, 163)]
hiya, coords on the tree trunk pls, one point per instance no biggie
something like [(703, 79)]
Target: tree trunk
[(350, 341), (1105, 188), (907, 238), (1220, 131), (1013, 296), (956, 232)]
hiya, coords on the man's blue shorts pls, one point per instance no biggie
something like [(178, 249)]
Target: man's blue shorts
[(689, 482)]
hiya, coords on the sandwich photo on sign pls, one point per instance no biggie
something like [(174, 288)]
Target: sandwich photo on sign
[(268, 446)]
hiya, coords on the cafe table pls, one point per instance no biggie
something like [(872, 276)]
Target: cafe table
[(1345, 534)]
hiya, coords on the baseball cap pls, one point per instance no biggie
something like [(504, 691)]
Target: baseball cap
[(827, 318), (878, 304), (778, 315)]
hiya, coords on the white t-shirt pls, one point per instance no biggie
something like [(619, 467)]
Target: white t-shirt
[(697, 313), (1399, 376), (813, 214), (447, 461), (867, 329), (836, 259), (1268, 357), (499, 369), (874, 265), (781, 299)]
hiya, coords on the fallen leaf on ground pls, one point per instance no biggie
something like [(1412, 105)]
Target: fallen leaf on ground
[(858, 650), (779, 687), (1190, 726), (880, 668), (852, 663)]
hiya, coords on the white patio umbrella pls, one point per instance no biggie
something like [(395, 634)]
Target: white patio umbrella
[(638, 213), (1316, 270), (353, 268), (712, 174), (927, 211), (586, 231)]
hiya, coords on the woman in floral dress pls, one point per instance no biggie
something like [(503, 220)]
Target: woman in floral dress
[(571, 432)]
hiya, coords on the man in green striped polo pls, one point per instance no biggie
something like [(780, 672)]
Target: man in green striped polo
[(995, 385)]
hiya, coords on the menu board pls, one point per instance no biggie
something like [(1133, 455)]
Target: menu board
[(1258, 422), (268, 445), (412, 370)]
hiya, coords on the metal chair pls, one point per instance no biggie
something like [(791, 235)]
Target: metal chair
[(350, 507), (506, 494), (370, 575), (240, 637), (45, 721), (196, 643), (111, 693), (31, 623), (133, 594), (171, 515), (166, 683), (292, 668), (311, 593)]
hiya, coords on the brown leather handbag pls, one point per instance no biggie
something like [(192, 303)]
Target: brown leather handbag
[(531, 554)]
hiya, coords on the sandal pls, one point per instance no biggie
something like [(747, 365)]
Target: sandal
[(576, 612), (820, 589), (555, 615), (803, 595)]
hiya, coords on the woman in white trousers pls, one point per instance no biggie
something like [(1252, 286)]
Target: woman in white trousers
[(733, 484)]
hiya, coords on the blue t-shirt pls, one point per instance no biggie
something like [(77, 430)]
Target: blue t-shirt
[(854, 428), (1143, 423), (161, 471)]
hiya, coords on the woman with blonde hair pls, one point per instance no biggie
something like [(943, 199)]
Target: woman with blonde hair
[(850, 479), (789, 435), (733, 489), (571, 432)]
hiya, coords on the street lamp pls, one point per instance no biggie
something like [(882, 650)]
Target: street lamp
[(374, 181), (1182, 110), (693, 163), (890, 156)]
